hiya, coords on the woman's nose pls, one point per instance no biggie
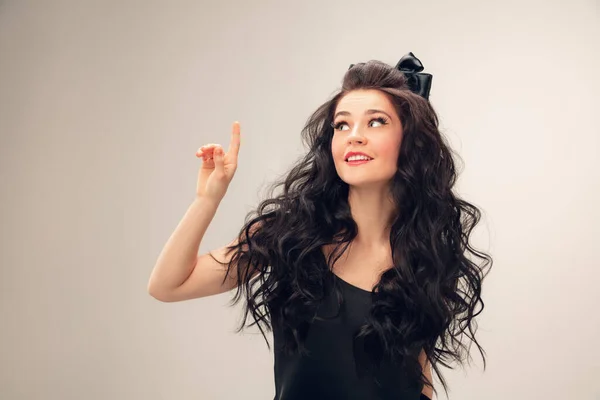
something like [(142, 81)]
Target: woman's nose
[(356, 137)]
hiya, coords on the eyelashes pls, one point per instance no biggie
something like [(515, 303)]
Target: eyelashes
[(381, 120)]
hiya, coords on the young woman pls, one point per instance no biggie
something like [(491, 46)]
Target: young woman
[(360, 265)]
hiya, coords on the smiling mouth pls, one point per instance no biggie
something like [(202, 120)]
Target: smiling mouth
[(358, 162)]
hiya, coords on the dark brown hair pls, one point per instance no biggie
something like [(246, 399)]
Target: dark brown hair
[(429, 298)]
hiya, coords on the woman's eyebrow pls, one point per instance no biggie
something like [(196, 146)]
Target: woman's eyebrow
[(369, 111)]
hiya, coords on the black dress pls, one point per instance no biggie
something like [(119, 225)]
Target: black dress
[(329, 371)]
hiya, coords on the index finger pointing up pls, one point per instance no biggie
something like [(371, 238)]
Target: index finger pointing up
[(234, 145)]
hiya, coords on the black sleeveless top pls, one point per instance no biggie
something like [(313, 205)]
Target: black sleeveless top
[(329, 371)]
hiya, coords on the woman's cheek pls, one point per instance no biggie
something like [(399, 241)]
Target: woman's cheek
[(337, 150)]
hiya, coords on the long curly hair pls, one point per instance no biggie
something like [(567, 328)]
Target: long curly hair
[(427, 300)]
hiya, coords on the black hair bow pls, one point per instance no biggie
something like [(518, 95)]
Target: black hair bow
[(411, 67)]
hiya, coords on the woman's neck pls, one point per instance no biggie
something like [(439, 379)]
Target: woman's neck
[(372, 211)]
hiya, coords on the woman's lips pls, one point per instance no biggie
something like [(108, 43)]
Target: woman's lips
[(357, 162)]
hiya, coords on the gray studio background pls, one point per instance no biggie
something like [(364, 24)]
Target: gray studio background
[(103, 105)]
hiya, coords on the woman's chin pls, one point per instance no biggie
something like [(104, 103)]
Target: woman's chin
[(361, 183), (370, 182)]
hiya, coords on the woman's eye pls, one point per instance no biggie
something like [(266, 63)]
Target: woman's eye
[(380, 120)]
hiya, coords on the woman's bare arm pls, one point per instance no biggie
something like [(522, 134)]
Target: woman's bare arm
[(179, 273), (179, 262)]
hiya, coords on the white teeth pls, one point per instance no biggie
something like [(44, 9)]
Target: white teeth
[(356, 158)]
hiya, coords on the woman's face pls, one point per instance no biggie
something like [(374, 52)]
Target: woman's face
[(378, 134)]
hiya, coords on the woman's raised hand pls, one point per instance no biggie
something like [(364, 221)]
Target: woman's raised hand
[(218, 167)]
